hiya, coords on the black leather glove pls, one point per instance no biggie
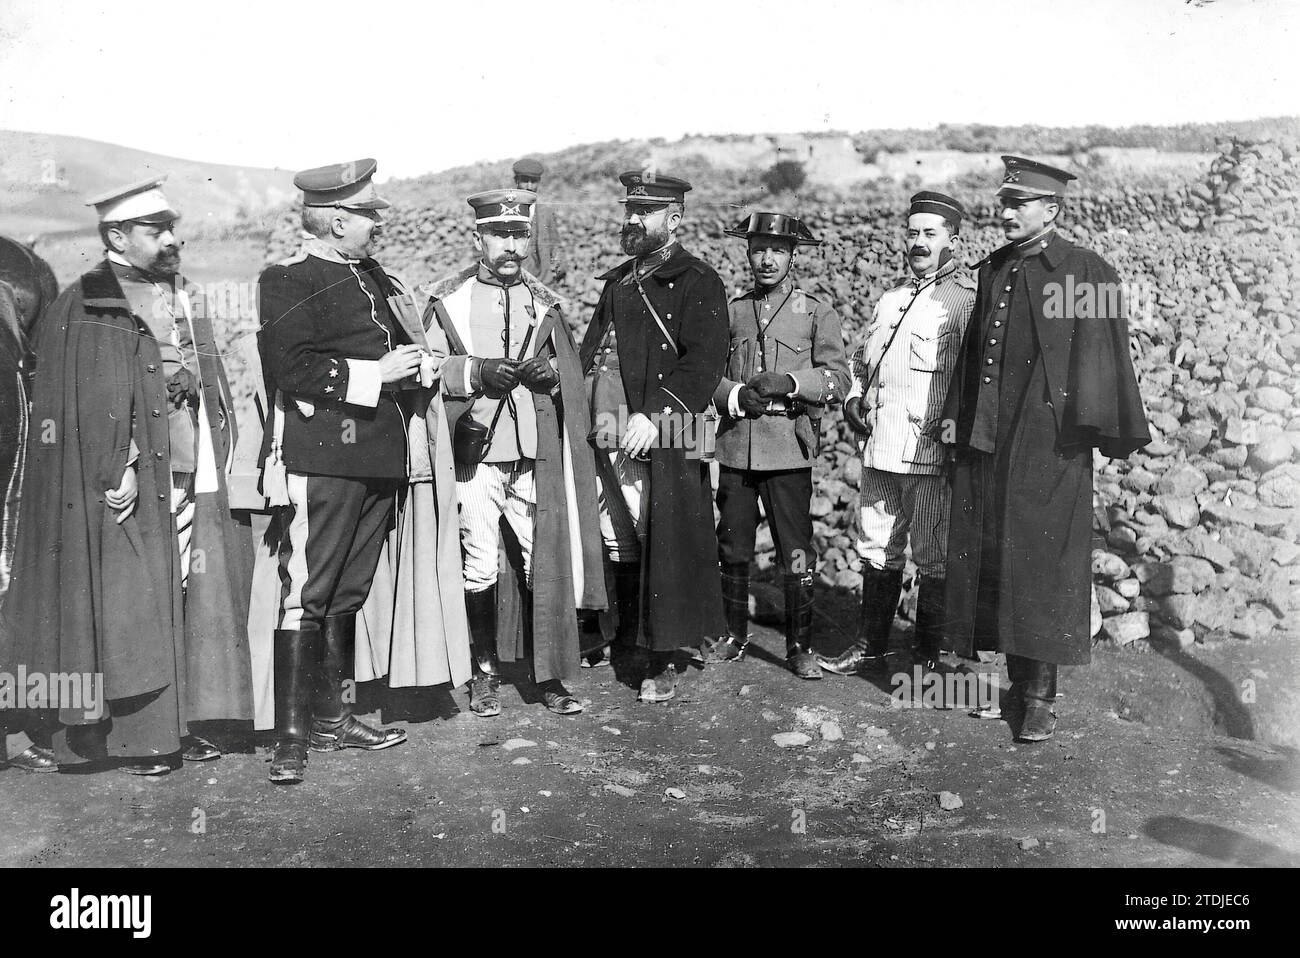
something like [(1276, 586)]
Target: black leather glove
[(751, 403), (855, 413), (773, 385), (182, 388), (538, 374), (498, 376)]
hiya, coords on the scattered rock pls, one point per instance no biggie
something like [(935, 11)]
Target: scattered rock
[(949, 801), (1027, 843), (619, 790), (511, 744), (791, 739), (831, 731), (676, 793)]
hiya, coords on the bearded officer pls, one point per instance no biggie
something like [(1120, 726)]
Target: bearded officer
[(654, 353), (901, 376), (147, 581), (786, 366), (336, 359)]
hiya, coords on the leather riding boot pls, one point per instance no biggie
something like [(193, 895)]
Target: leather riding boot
[(1039, 692), (334, 726), (485, 683), (735, 606), (798, 625), (931, 613), (627, 597), (881, 590), (297, 656)]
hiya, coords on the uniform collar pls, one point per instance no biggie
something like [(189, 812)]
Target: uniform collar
[(486, 277), (674, 264), (101, 288), (124, 269), (942, 273), (322, 250)]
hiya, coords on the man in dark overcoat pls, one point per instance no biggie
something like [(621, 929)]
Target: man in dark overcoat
[(653, 354), (127, 561), (1044, 377)]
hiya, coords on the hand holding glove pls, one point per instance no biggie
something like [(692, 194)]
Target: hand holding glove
[(538, 375), (772, 385), (498, 376), (751, 403), (182, 388), (856, 413)]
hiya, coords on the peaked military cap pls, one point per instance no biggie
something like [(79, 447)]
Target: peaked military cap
[(928, 201), (1029, 179), (347, 185), (774, 224), (502, 206), (140, 202), (529, 167), (646, 186)]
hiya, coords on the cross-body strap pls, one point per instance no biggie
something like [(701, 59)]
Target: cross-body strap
[(658, 322)]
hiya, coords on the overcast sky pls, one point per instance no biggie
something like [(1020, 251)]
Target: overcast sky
[(426, 86)]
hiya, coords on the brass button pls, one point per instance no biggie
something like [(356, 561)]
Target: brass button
[(987, 380), (1002, 305), (151, 368), (997, 323), (988, 362), (993, 342), (162, 496), (661, 375), (157, 455), (604, 369), (669, 316), (1006, 289), (156, 414), (663, 345)]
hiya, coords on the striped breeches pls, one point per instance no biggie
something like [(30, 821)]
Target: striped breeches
[(895, 507), (487, 492)]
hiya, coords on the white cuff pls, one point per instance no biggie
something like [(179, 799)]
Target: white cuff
[(364, 382), (469, 383), (733, 401), (794, 393)]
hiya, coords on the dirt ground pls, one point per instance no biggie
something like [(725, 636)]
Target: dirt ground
[(1144, 770)]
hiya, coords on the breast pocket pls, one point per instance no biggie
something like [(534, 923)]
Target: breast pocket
[(793, 354), (924, 351), (738, 358)]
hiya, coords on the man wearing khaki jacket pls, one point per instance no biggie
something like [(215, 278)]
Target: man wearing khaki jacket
[(785, 365)]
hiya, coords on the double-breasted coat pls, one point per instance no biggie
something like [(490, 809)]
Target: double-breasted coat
[(681, 594), (1041, 381)]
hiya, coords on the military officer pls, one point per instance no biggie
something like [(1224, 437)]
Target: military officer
[(335, 358), (900, 378), (544, 242), (653, 354), (512, 380), (786, 365), (1034, 393)]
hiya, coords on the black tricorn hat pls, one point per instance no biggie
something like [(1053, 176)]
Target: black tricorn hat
[(774, 224)]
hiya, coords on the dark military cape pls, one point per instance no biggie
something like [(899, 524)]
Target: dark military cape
[(90, 595), (1028, 592)]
